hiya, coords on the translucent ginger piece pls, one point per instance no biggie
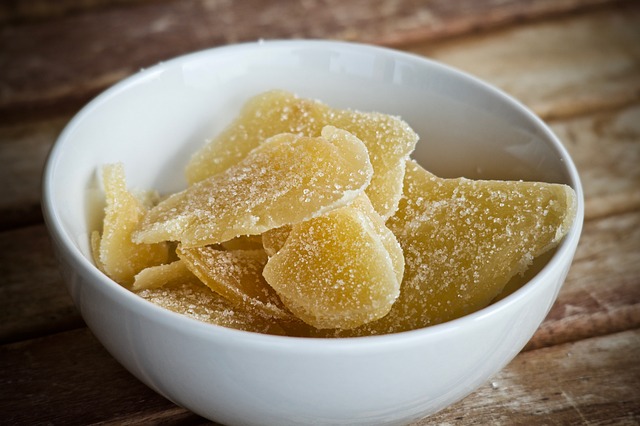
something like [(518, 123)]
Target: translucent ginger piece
[(117, 255), (237, 276), (160, 275), (274, 239), (287, 179), (336, 270), (243, 242), (389, 140), (463, 240), (185, 294)]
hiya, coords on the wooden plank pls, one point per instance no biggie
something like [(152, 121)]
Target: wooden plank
[(23, 151), (593, 381), (46, 66), (33, 298), (558, 67), (602, 292), (70, 379), (20, 11), (606, 149)]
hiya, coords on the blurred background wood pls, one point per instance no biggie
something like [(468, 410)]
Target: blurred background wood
[(575, 63)]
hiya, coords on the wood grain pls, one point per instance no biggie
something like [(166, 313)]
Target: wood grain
[(602, 292), (606, 149), (23, 151), (70, 379), (561, 67), (33, 299), (20, 11), (594, 381), (61, 63)]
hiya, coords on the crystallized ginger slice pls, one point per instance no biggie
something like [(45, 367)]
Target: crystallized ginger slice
[(185, 294), (274, 239), (336, 270), (117, 255), (243, 242), (389, 140), (463, 240), (287, 179), (237, 276), (160, 275)]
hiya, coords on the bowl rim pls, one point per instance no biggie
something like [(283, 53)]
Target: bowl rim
[(564, 251)]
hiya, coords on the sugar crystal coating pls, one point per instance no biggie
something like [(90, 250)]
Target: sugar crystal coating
[(335, 271), (274, 239), (243, 242), (463, 240), (237, 276), (313, 174), (187, 295), (161, 275), (283, 229), (389, 140), (115, 253)]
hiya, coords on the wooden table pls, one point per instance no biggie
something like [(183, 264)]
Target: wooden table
[(575, 63)]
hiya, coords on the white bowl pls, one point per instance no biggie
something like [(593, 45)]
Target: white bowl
[(154, 120)]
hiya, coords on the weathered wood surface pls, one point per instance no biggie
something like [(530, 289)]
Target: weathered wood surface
[(591, 381), (61, 63), (33, 297), (60, 384), (576, 63), (23, 150), (594, 381), (560, 67)]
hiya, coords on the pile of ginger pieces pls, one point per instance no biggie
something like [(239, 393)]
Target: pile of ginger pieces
[(304, 220)]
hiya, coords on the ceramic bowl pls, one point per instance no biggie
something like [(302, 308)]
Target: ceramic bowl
[(154, 120)]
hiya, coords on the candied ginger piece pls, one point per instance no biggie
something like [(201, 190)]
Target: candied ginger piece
[(336, 270), (389, 140), (237, 276), (287, 179), (160, 275), (187, 295), (243, 242), (274, 239), (463, 240), (118, 256)]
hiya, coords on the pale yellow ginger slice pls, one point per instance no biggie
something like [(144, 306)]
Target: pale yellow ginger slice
[(336, 270), (243, 242), (274, 239), (160, 275), (237, 276), (116, 254), (185, 294), (287, 179), (463, 240), (389, 140)]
